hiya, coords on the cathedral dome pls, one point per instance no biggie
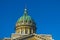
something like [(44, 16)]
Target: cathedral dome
[(25, 24), (25, 19)]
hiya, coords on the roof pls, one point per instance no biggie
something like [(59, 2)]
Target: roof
[(25, 17)]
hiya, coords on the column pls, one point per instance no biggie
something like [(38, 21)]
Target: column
[(24, 30), (20, 30), (28, 31), (31, 30)]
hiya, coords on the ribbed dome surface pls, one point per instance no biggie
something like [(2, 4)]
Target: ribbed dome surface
[(25, 18)]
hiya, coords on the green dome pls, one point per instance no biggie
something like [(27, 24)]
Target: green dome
[(25, 17)]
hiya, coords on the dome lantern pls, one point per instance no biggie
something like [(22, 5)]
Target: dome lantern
[(25, 11)]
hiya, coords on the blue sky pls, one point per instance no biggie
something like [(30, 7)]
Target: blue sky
[(46, 14)]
